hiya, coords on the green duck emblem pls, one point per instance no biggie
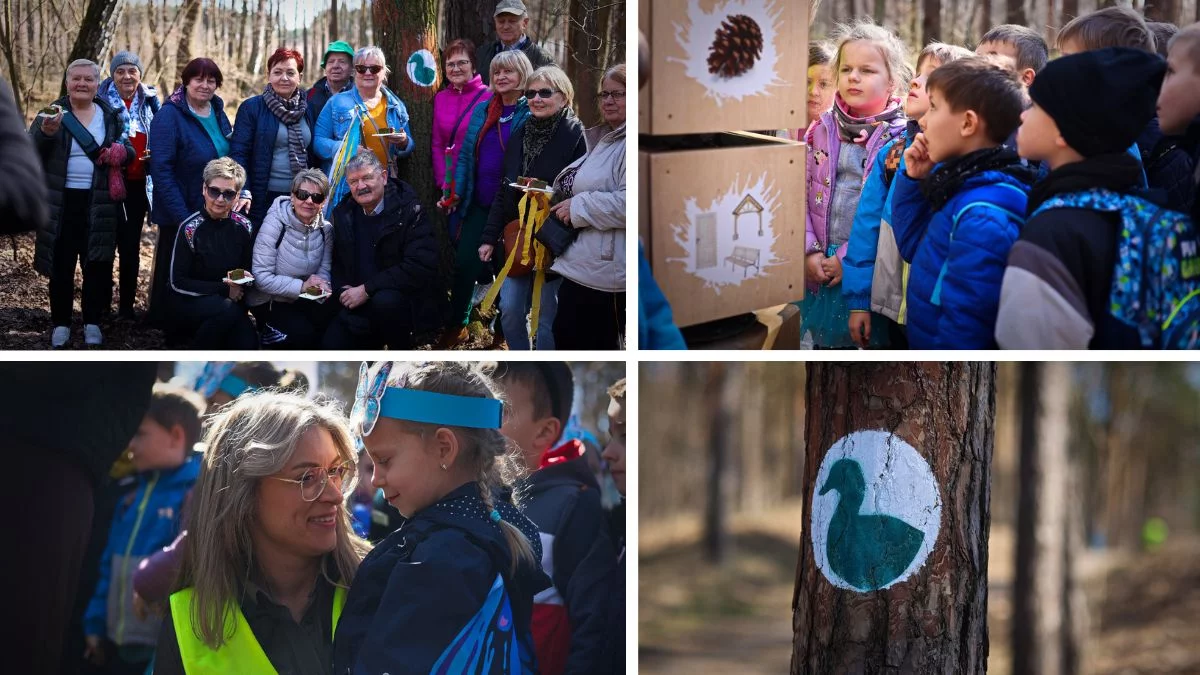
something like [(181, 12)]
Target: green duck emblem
[(868, 551), (421, 68)]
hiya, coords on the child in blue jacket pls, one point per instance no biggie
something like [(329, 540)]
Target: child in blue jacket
[(868, 288), (452, 590), (957, 224), (147, 519)]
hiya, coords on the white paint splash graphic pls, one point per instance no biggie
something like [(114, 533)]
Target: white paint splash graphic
[(710, 250), (696, 35)]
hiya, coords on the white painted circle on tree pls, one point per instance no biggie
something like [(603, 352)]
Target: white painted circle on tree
[(422, 68), (879, 517)]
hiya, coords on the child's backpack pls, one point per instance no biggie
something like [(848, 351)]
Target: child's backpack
[(1156, 283)]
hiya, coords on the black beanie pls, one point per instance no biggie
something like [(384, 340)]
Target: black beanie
[(1101, 100)]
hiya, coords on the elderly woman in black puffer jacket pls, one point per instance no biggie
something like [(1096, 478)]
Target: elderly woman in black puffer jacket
[(79, 144)]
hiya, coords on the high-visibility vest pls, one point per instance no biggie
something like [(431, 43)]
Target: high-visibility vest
[(240, 653)]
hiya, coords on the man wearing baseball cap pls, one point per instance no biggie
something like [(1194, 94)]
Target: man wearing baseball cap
[(339, 77), (512, 22)]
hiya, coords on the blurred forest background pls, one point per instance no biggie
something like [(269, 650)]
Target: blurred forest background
[(963, 21), (718, 549)]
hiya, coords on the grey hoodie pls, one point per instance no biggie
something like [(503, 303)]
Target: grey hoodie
[(280, 271)]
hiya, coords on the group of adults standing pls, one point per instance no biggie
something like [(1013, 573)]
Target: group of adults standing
[(295, 188)]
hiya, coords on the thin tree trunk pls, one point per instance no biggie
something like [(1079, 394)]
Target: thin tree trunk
[(259, 45), (931, 421), (191, 11), (470, 19), (333, 17), (931, 23), (720, 399), (14, 65), (1015, 12), (1048, 620), (1070, 10), (96, 32)]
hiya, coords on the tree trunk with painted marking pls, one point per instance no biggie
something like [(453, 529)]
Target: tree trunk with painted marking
[(1049, 622), (935, 619)]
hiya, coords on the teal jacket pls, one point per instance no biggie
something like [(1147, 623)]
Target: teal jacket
[(464, 169)]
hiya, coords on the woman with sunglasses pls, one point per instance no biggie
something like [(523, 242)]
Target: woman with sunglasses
[(272, 135), (189, 131), (204, 301), (551, 139), (591, 299), (292, 255), (370, 110), (266, 589), (477, 179)]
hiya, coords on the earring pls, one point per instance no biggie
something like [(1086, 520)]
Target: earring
[(444, 468)]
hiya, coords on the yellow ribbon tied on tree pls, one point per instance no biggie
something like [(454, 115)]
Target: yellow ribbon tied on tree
[(533, 209)]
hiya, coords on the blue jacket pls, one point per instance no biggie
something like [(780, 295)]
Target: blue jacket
[(253, 146), (874, 206), (656, 325), (416, 591), (464, 169), (179, 150), (335, 118), (147, 519), (974, 255)]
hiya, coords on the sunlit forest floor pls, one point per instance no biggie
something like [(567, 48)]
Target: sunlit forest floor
[(695, 618)]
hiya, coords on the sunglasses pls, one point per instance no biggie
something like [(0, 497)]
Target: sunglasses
[(215, 194), (544, 93), (361, 70), (305, 195), (614, 95)]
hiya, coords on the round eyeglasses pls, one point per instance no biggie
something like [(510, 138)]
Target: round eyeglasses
[(313, 481)]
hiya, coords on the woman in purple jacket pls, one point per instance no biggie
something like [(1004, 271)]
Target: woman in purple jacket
[(452, 108)]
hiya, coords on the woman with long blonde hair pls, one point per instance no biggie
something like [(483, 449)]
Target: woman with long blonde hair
[(272, 551)]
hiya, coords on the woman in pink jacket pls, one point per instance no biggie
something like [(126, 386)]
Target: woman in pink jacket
[(452, 108)]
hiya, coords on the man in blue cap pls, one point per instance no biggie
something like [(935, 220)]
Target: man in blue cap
[(339, 77), (512, 24)]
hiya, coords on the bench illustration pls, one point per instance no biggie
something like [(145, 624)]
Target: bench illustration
[(744, 257)]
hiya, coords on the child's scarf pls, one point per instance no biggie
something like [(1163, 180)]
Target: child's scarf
[(858, 129), (948, 178)]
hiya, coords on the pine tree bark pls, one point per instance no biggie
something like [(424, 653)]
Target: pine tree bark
[(934, 621), (721, 395), (96, 33), (401, 30), (470, 19), (1049, 621)]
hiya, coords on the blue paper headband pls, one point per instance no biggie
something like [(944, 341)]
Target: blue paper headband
[(449, 410), (234, 386)]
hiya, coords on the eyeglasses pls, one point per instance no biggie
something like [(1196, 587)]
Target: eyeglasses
[(361, 70), (313, 481), (614, 95), (305, 195), (544, 93), (451, 65), (215, 194)]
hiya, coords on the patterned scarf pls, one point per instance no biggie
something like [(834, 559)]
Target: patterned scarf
[(289, 112), (537, 135), (494, 110), (948, 178), (858, 129)]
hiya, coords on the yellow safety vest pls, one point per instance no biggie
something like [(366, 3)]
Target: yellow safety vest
[(241, 653)]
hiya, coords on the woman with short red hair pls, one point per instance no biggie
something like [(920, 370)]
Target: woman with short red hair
[(272, 134)]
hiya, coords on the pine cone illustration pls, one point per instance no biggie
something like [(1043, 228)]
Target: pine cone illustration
[(738, 44)]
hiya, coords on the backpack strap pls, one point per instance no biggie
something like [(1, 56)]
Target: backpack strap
[(936, 298), (81, 135)]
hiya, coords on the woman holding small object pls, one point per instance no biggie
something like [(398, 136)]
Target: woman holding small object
[(82, 144), (477, 178), (539, 150), (292, 258), (209, 263), (369, 115), (452, 108)]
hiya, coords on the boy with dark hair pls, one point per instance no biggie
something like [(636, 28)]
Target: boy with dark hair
[(147, 519), (614, 454), (1166, 166), (570, 631), (959, 205), (1022, 44), (1059, 290)]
